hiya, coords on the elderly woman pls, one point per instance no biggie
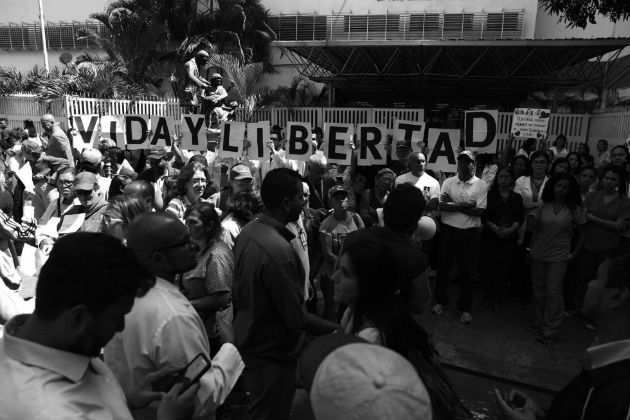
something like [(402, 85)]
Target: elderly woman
[(208, 286), (191, 184), (374, 198)]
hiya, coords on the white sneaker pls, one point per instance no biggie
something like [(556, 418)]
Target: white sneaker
[(466, 318), (438, 309)]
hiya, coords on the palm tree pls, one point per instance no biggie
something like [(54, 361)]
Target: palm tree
[(134, 41)]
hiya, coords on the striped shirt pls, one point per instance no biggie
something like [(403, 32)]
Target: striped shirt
[(15, 230)]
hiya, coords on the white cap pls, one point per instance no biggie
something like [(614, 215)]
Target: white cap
[(368, 381)]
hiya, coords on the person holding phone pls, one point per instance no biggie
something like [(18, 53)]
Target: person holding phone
[(163, 329), (51, 358)]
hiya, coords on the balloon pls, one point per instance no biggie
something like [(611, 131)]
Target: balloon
[(426, 228)]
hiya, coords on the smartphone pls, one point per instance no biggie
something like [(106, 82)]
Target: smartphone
[(188, 376)]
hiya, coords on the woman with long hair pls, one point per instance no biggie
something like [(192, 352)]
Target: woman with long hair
[(560, 165), (556, 220), (365, 282), (503, 216), (574, 164), (559, 147), (520, 167), (208, 286), (191, 185)]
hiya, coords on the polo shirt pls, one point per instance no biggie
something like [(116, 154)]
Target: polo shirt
[(45, 383), (267, 294), (473, 190)]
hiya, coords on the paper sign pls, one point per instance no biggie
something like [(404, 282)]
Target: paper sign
[(480, 128), (371, 145), (299, 143), (162, 130), (530, 122), (25, 174), (192, 133), (71, 223), (113, 127), (86, 127), (337, 140), (411, 132), (232, 135), (137, 131), (258, 134), (443, 146)]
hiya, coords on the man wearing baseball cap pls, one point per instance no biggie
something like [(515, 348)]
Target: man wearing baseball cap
[(240, 179), (462, 202), (89, 194)]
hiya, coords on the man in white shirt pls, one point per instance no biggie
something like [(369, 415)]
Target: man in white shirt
[(49, 361), (163, 329), (462, 202), (416, 176)]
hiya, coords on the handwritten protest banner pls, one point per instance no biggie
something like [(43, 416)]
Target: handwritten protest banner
[(530, 122)]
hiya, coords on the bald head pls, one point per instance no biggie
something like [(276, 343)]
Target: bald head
[(48, 122), (143, 191)]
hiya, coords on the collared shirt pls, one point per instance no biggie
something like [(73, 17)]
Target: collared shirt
[(267, 294), (45, 383), (473, 190), (606, 354), (164, 330)]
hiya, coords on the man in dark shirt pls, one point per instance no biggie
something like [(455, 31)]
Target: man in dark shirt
[(401, 212), (270, 321)]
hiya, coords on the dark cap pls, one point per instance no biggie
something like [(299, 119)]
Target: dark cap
[(468, 154), (336, 189), (402, 144)]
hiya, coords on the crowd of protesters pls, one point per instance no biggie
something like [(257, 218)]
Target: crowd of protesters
[(146, 259)]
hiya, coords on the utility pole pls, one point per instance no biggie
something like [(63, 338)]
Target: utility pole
[(43, 27)]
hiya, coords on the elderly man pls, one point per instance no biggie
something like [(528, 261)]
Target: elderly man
[(89, 194), (270, 320), (163, 329), (51, 358), (193, 82), (58, 146), (417, 177)]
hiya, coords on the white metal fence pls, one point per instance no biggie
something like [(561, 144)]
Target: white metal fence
[(579, 128)]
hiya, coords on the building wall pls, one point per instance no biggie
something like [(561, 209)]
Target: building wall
[(329, 7), (54, 10)]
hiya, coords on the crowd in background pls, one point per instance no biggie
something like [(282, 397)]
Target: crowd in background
[(251, 259)]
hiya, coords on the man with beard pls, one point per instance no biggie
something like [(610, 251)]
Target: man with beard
[(163, 329), (49, 361), (270, 321)]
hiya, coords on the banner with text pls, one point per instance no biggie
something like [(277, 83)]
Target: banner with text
[(530, 122)]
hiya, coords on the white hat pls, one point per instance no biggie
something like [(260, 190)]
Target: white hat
[(368, 381)]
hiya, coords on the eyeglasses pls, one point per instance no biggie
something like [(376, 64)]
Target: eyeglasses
[(199, 180), (64, 183), (83, 192)]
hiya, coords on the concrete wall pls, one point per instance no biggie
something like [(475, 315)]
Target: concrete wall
[(54, 10), (25, 60), (329, 7)]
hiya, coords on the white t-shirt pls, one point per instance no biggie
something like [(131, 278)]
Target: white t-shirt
[(429, 186)]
